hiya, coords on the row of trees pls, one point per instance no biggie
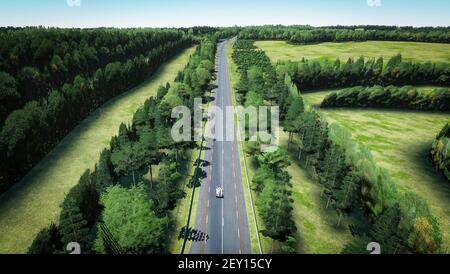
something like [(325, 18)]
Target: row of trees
[(31, 132), (271, 183), (119, 207), (308, 34), (35, 61), (258, 78), (315, 74), (406, 97), (440, 152), (351, 180), (258, 86)]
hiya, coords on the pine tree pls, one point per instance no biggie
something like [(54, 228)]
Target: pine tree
[(47, 241), (289, 247), (167, 191), (148, 146), (72, 225), (358, 245), (242, 85), (102, 173), (123, 136), (386, 231), (276, 211), (347, 194), (292, 121), (127, 159)]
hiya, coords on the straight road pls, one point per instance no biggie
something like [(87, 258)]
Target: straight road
[(224, 220)]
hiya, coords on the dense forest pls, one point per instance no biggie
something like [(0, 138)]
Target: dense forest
[(310, 35), (99, 211), (35, 61), (351, 180), (440, 152), (51, 79), (313, 75), (406, 97)]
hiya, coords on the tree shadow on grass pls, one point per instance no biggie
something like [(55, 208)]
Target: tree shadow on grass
[(328, 215), (197, 180), (439, 182)]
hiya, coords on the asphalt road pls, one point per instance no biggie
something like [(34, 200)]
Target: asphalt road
[(224, 221)]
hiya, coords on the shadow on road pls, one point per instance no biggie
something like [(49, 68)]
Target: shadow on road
[(194, 235), (202, 163)]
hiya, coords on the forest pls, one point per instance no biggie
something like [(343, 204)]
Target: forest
[(350, 178), (309, 35), (406, 97), (99, 211), (47, 73), (258, 84)]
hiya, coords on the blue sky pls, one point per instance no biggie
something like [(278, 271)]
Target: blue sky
[(176, 13)]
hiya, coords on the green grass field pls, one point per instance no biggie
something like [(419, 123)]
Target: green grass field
[(34, 203), (400, 141), (418, 52)]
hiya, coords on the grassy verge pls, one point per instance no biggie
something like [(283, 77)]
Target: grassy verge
[(318, 232), (400, 141), (243, 162), (33, 203), (413, 51)]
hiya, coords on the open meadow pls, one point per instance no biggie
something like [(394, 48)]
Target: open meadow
[(413, 51)]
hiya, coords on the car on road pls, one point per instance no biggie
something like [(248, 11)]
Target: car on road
[(219, 192)]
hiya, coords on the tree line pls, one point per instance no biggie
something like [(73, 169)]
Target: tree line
[(309, 35), (440, 152), (314, 74), (351, 180), (31, 132), (35, 61), (406, 97), (119, 207), (271, 182)]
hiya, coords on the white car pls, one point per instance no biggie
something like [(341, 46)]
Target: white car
[(219, 192)]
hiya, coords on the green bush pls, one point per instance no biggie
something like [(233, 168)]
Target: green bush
[(440, 152)]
